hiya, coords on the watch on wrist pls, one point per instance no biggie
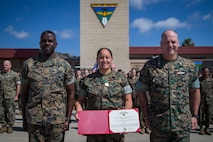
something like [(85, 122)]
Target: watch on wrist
[(193, 115)]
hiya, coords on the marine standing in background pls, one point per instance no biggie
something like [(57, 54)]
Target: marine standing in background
[(206, 105), (47, 93), (132, 78), (10, 89), (106, 89), (78, 77), (174, 93)]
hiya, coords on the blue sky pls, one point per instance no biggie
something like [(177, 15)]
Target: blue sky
[(22, 22)]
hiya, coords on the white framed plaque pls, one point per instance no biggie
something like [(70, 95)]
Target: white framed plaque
[(124, 121), (108, 121)]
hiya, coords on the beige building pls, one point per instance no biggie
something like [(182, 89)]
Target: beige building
[(104, 23)]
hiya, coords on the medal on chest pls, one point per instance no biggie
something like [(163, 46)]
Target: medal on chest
[(106, 84)]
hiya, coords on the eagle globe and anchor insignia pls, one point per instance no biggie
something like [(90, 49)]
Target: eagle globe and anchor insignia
[(104, 11)]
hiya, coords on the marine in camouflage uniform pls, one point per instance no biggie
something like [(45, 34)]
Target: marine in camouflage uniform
[(47, 93), (1, 103), (103, 97), (168, 90), (10, 87), (78, 77), (206, 105), (105, 92), (132, 78), (170, 83)]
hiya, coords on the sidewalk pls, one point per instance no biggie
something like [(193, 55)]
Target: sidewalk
[(72, 135)]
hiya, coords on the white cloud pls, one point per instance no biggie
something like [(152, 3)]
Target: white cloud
[(196, 16), (68, 33), (193, 2), (140, 4), (207, 17), (171, 23), (20, 34), (145, 25)]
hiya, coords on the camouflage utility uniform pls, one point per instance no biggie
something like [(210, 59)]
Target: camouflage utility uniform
[(206, 105), (47, 99), (105, 92), (168, 83), (132, 82), (9, 81), (1, 103)]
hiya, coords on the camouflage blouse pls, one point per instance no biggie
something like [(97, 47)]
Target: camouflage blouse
[(8, 83), (168, 83), (105, 91), (47, 81)]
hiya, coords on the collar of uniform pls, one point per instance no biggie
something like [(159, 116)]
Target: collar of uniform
[(42, 59), (177, 62), (112, 74)]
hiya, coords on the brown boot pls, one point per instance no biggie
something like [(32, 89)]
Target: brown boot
[(142, 131), (207, 131), (3, 129), (202, 131), (9, 129), (147, 131)]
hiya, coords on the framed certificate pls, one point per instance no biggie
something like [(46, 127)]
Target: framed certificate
[(124, 121), (108, 121)]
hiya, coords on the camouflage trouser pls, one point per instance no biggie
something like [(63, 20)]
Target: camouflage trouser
[(8, 112), (157, 136), (49, 133), (18, 103), (205, 113), (106, 138), (1, 110), (141, 116)]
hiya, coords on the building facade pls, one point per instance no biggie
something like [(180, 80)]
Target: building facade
[(104, 23), (202, 56)]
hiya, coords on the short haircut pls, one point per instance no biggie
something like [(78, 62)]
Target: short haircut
[(166, 31), (48, 31)]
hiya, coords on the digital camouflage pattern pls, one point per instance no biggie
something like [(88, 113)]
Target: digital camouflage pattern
[(1, 103), (1, 109), (206, 90), (183, 136), (132, 82), (105, 91), (8, 82), (54, 133), (47, 82), (77, 87), (206, 104), (169, 83), (8, 115)]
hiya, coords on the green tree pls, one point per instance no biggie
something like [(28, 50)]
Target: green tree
[(188, 42)]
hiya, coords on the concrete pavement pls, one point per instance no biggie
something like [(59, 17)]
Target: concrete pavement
[(72, 135)]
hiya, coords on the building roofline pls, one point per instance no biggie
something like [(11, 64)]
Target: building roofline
[(18, 52), (189, 50)]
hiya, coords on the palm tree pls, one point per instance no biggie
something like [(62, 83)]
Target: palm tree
[(188, 42)]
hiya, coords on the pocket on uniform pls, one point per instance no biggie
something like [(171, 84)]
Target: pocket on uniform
[(34, 76), (115, 89)]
